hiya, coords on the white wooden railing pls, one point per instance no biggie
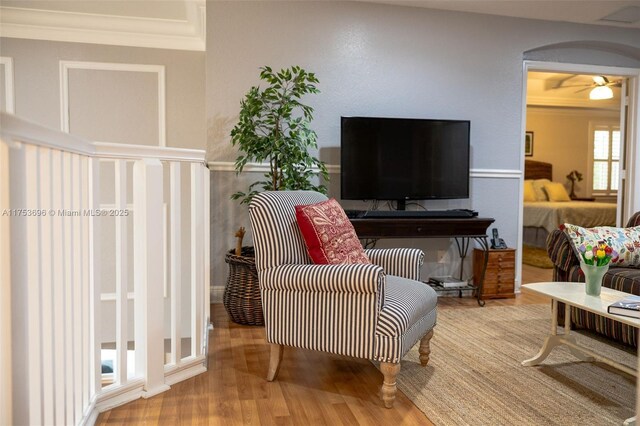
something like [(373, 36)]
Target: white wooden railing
[(63, 301)]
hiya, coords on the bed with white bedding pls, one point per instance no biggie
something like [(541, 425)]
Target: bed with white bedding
[(542, 217)]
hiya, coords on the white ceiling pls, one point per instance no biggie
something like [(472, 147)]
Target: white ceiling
[(583, 12)]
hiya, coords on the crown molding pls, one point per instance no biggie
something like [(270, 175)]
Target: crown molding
[(572, 111), (189, 34), (572, 103)]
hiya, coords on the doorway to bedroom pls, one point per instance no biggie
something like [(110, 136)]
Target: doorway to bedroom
[(575, 144)]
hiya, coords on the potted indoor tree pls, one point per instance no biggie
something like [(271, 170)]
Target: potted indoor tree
[(274, 127)]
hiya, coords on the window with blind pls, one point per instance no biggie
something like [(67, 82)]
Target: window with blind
[(606, 159)]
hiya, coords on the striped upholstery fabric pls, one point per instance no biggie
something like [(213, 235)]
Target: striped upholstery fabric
[(567, 268), (276, 236), (404, 262), (354, 310)]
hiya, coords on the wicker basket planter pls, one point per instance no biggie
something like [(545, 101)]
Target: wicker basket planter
[(241, 296)]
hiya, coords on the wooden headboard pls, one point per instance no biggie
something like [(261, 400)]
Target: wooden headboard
[(537, 170)]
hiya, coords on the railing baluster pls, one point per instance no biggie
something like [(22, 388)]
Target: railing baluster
[(76, 306), (6, 394), (46, 283), (84, 288), (197, 264), (147, 200), (206, 178), (26, 345), (33, 263), (176, 260), (93, 300), (67, 286), (122, 269), (58, 284)]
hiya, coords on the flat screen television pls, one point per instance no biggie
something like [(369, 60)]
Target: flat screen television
[(404, 159)]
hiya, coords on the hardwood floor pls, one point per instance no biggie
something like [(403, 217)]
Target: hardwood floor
[(312, 388), (531, 274)]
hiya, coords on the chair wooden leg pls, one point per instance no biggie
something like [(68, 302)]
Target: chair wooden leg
[(388, 391), (425, 349), (274, 361)]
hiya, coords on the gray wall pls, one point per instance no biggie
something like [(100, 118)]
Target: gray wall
[(37, 89), (382, 60)]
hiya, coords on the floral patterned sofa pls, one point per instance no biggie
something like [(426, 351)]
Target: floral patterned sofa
[(627, 279)]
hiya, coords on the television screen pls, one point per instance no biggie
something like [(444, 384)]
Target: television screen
[(404, 159)]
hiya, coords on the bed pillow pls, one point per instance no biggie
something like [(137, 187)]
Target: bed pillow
[(625, 241), (556, 191), (538, 188), (529, 192), (329, 235)]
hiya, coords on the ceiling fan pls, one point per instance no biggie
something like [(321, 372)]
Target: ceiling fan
[(600, 88)]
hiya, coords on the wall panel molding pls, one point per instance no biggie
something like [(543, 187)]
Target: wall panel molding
[(65, 66), (9, 93)]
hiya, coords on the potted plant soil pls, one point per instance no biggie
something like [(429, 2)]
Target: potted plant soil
[(274, 127)]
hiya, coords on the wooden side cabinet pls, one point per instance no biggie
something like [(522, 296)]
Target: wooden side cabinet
[(499, 278)]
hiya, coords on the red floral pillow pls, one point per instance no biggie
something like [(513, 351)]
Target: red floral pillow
[(329, 235)]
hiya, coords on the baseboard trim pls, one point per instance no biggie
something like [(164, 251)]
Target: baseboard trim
[(121, 395), (216, 294), (186, 370)]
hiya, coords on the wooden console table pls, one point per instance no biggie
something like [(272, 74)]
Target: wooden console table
[(463, 230)]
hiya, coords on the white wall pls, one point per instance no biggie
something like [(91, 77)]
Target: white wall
[(382, 60), (561, 137)]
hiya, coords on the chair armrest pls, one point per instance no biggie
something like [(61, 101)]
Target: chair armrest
[(357, 278), (560, 251), (403, 262), (634, 220)]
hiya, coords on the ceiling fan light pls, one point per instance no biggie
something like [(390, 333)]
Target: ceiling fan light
[(601, 92)]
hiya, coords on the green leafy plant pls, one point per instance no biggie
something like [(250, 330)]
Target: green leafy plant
[(274, 126)]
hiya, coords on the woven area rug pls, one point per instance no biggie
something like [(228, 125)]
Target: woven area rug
[(474, 376), (537, 257)]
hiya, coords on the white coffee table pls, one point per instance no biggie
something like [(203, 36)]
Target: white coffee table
[(573, 294)]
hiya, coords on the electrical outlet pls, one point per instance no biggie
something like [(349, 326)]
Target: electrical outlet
[(442, 254)]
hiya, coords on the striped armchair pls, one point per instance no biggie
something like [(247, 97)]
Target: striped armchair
[(374, 311)]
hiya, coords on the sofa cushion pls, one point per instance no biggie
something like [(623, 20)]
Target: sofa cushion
[(625, 241), (405, 303), (621, 279), (328, 234)]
